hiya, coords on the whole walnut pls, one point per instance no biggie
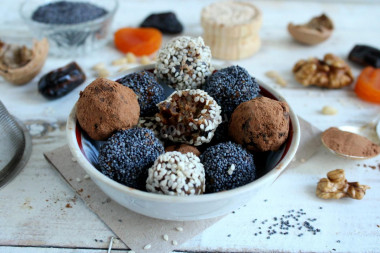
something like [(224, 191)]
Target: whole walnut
[(331, 72)]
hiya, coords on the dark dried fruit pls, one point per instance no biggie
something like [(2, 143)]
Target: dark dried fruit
[(61, 81), (365, 55), (166, 22)]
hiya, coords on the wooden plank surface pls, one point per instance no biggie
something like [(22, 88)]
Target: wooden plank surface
[(39, 209)]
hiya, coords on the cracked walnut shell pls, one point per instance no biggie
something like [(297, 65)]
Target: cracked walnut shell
[(335, 186), (19, 64), (331, 72)]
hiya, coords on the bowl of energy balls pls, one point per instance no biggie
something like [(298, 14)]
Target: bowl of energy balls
[(182, 139)]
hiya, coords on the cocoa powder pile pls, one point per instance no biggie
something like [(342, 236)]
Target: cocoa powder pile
[(349, 143)]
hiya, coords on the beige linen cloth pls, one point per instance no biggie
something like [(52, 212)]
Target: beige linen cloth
[(136, 230)]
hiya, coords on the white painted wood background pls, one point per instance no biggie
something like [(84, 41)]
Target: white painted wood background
[(33, 212)]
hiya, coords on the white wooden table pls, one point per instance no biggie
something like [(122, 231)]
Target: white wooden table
[(33, 212)]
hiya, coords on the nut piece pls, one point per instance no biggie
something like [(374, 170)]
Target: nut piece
[(317, 30), (329, 110), (331, 72), (19, 64), (335, 186)]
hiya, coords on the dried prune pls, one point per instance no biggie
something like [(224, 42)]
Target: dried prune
[(166, 22), (61, 81), (365, 55)]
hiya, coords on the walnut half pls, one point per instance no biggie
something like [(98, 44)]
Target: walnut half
[(335, 186), (331, 72)]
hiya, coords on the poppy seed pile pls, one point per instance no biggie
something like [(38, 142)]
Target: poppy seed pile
[(67, 12), (189, 117), (230, 87), (292, 222), (148, 90)]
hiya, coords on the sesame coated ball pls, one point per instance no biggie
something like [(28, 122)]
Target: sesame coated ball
[(147, 89), (227, 166), (174, 173), (184, 63), (230, 87), (188, 116), (127, 155)]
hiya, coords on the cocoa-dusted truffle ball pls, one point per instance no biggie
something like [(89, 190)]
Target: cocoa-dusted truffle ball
[(189, 116), (106, 106), (184, 149), (127, 155), (174, 173), (184, 63), (230, 87), (148, 90), (261, 124), (227, 166)]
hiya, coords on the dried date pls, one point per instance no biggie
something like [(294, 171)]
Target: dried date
[(61, 81)]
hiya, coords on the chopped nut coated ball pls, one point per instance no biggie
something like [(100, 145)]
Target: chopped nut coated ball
[(335, 186), (331, 72)]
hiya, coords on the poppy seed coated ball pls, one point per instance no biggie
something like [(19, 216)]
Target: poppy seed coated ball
[(227, 166), (147, 89), (230, 87), (127, 155)]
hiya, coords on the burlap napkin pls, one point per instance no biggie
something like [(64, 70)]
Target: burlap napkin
[(136, 230)]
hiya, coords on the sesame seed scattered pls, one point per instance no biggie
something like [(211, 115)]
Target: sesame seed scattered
[(180, 229), (86, 176), (148, 246), (78, 179), (73, 159), (165, 237), (174, 242)]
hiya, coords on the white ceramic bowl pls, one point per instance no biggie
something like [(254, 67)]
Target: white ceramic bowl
[(187, 207)]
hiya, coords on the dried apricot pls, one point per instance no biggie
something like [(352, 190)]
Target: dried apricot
[(368, 85), (140, 41)]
